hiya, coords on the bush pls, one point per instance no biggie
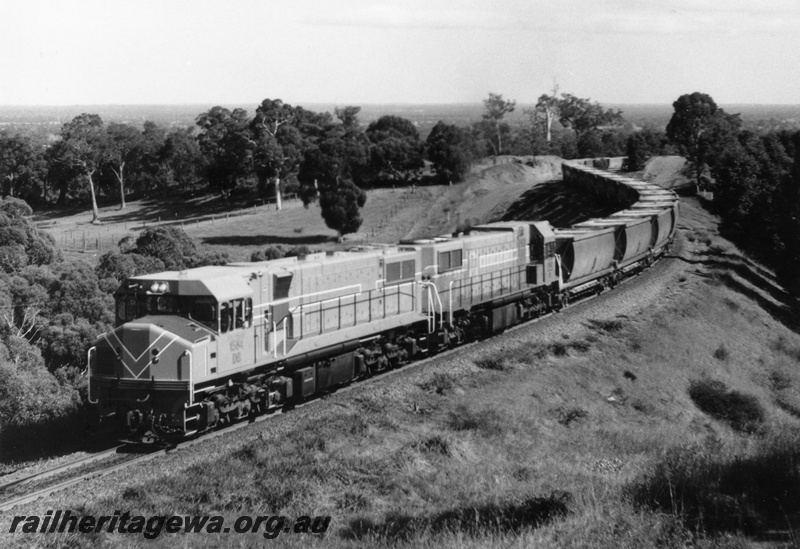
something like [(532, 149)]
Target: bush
[(581, 345), (713, 493), (440, 383), (29, 394), (742, 412), (169, 244), (721, 353), (610, 326), (488, 421), (492, 363), (559, 349), (565, 415)]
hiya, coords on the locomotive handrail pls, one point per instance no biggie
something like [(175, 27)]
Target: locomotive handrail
[(450, 301), (274, 339), (284, 335), (191, 375), (89, 369), (433, 291)]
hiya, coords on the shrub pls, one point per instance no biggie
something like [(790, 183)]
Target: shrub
[(642, 406), (439, 383), (565, 415), (779, 380), (721, 353), (786, 348), (788, 405), (492, 363), (581, 345), (742, 412), (471, 520), (488, 421), (713, 493), (559, 349), (169, 244), (269, 253), (610, 326)]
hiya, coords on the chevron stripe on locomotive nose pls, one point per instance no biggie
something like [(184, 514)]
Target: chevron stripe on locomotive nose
[(138, 359)]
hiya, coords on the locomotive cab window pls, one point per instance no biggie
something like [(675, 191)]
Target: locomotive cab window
[(127, 308), (225, 317), (235, 314), (204, 311)]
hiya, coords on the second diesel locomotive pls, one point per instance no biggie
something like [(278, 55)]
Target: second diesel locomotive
[(202, 347)]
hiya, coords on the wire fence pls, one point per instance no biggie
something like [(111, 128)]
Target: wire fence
[(106, 236)]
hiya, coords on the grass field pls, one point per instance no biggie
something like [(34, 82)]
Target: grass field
[(240, 227), (618, 423)]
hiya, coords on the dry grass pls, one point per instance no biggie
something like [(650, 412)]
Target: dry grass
[(528, 446)]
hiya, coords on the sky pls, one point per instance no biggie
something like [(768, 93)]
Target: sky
[(355, 52)]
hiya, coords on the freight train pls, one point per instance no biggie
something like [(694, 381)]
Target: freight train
[(205, 347)]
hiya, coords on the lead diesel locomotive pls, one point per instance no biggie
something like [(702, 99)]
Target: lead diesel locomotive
[(204, 347)]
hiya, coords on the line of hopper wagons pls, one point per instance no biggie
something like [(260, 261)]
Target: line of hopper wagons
[(195, 349)]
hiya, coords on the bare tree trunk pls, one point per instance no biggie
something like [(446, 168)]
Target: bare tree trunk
[(95, 211), (548, 122), (278, 204), (120, 178)]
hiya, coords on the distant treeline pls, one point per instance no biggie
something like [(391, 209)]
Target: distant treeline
[(283, 148)]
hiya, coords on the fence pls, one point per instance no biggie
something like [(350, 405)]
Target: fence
[(106, 236)]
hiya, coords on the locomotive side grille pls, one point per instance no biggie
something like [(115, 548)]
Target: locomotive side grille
[(104, 361)]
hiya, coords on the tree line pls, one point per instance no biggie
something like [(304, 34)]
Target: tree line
[(280, 148), (755, 178)]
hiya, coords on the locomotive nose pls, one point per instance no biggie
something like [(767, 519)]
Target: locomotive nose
[(142, 351)]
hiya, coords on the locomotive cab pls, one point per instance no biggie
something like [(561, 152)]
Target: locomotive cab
[(171, 333)]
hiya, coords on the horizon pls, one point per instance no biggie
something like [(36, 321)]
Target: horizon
[(409, 52)]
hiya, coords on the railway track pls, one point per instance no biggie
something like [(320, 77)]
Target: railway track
[(71, 464)]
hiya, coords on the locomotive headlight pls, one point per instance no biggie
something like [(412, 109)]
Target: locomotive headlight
[(159, 287)]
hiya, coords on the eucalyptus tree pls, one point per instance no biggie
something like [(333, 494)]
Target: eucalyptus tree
[(227, 146), (701, 129), (496, 108), (331, 169), (278, 143), (22, 164), (448, 148), (121, 145), (83, 147), (395, 148)]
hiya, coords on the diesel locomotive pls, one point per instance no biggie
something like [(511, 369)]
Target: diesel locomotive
[(204, 347)]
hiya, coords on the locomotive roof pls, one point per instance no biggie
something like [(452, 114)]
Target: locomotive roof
[(221, 282)]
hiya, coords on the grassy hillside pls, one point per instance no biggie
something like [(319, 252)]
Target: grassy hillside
[(663, 414)]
